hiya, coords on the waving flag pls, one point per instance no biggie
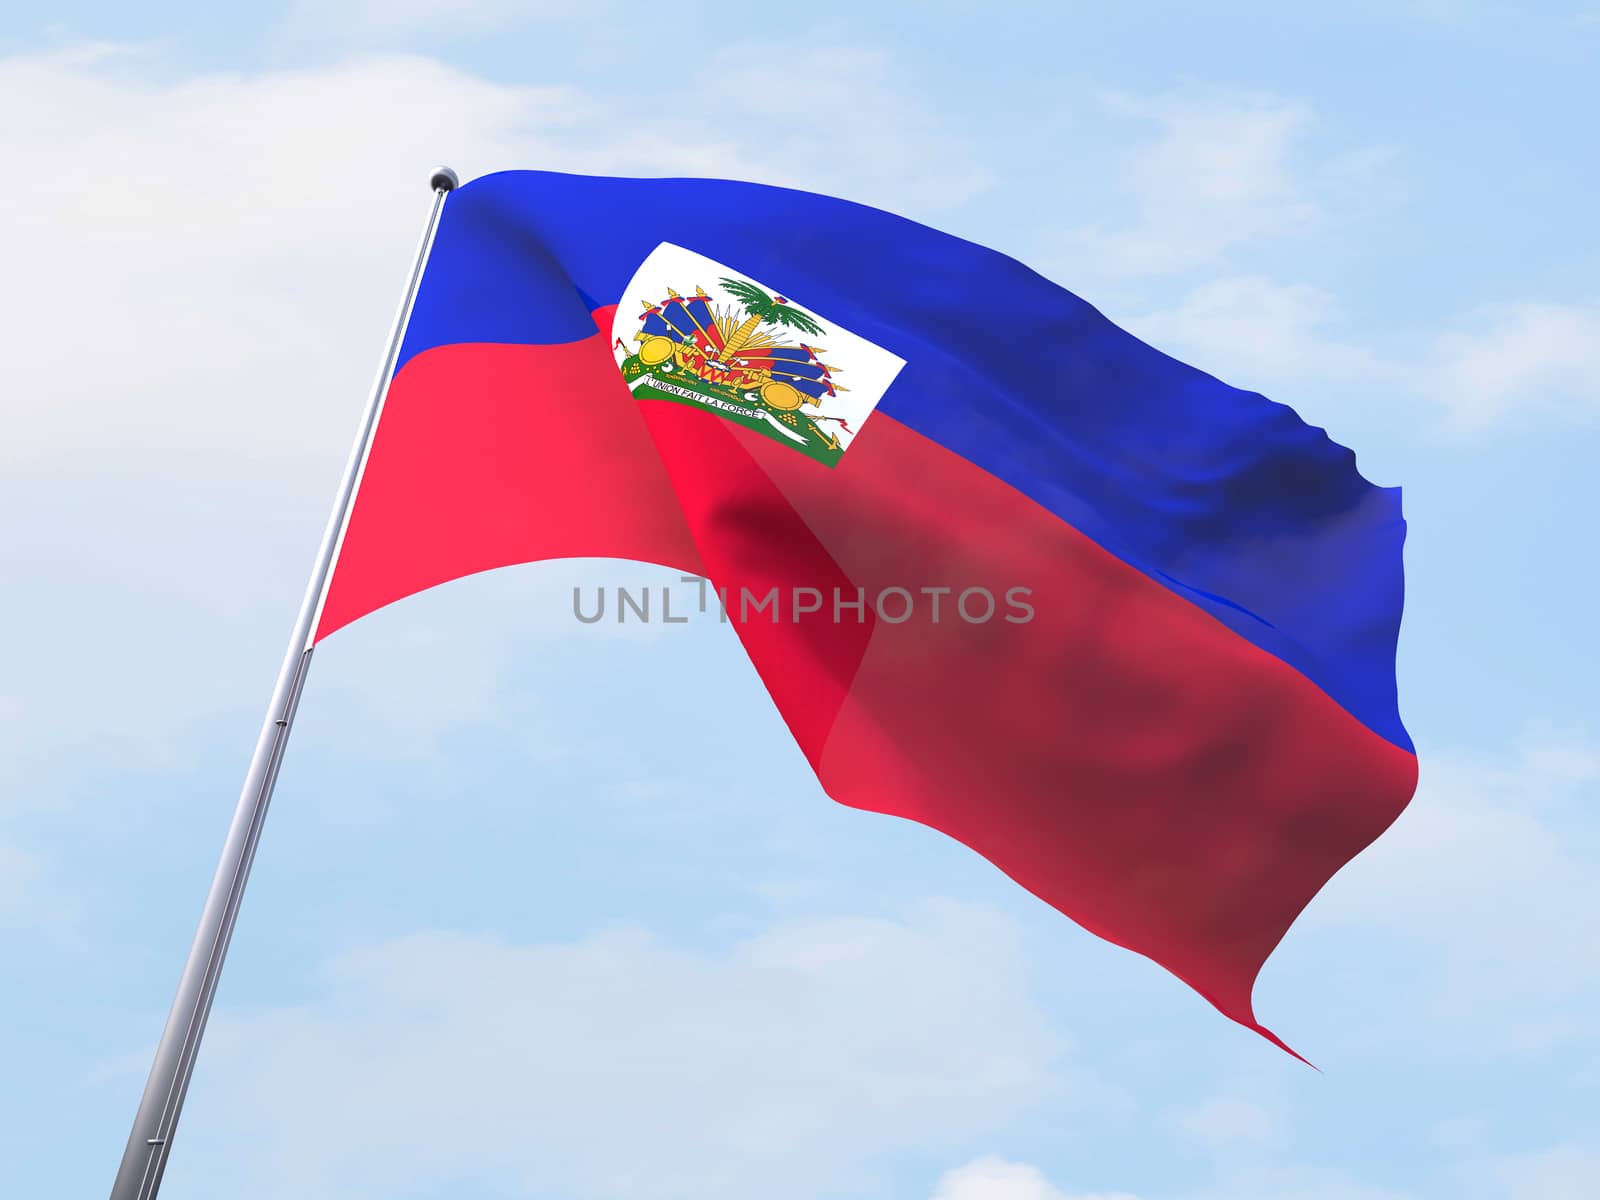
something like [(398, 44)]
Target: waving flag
[(1124, 630)]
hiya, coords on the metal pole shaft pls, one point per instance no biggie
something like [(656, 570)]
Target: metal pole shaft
[(145, 1158)]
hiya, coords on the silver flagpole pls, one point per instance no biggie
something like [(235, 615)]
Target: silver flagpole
[(144, 1160)]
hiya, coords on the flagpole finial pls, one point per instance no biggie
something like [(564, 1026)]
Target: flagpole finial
[(444, 179)]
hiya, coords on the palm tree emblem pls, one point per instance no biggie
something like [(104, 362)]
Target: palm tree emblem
[(762, 309)]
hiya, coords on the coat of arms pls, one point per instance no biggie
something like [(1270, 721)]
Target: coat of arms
[(711, 336)]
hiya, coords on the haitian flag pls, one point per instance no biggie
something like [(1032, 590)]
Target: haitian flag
[(1124, 630)]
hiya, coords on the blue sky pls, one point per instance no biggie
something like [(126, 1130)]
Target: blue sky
[(552, 910)]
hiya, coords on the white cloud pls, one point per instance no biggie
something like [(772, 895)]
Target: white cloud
[(1219, 174), (1294, 1183), (1225, 1122), (1560, 1173), (402, 687), (210, 263), (786, 1065), (1251, 331), (918, 165), (995, 1178), (1515, 361), (1459, 1133), (1500, 367), (1486, 883), (33, 902), (19, 875), (449, 18), (1223, 175)]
